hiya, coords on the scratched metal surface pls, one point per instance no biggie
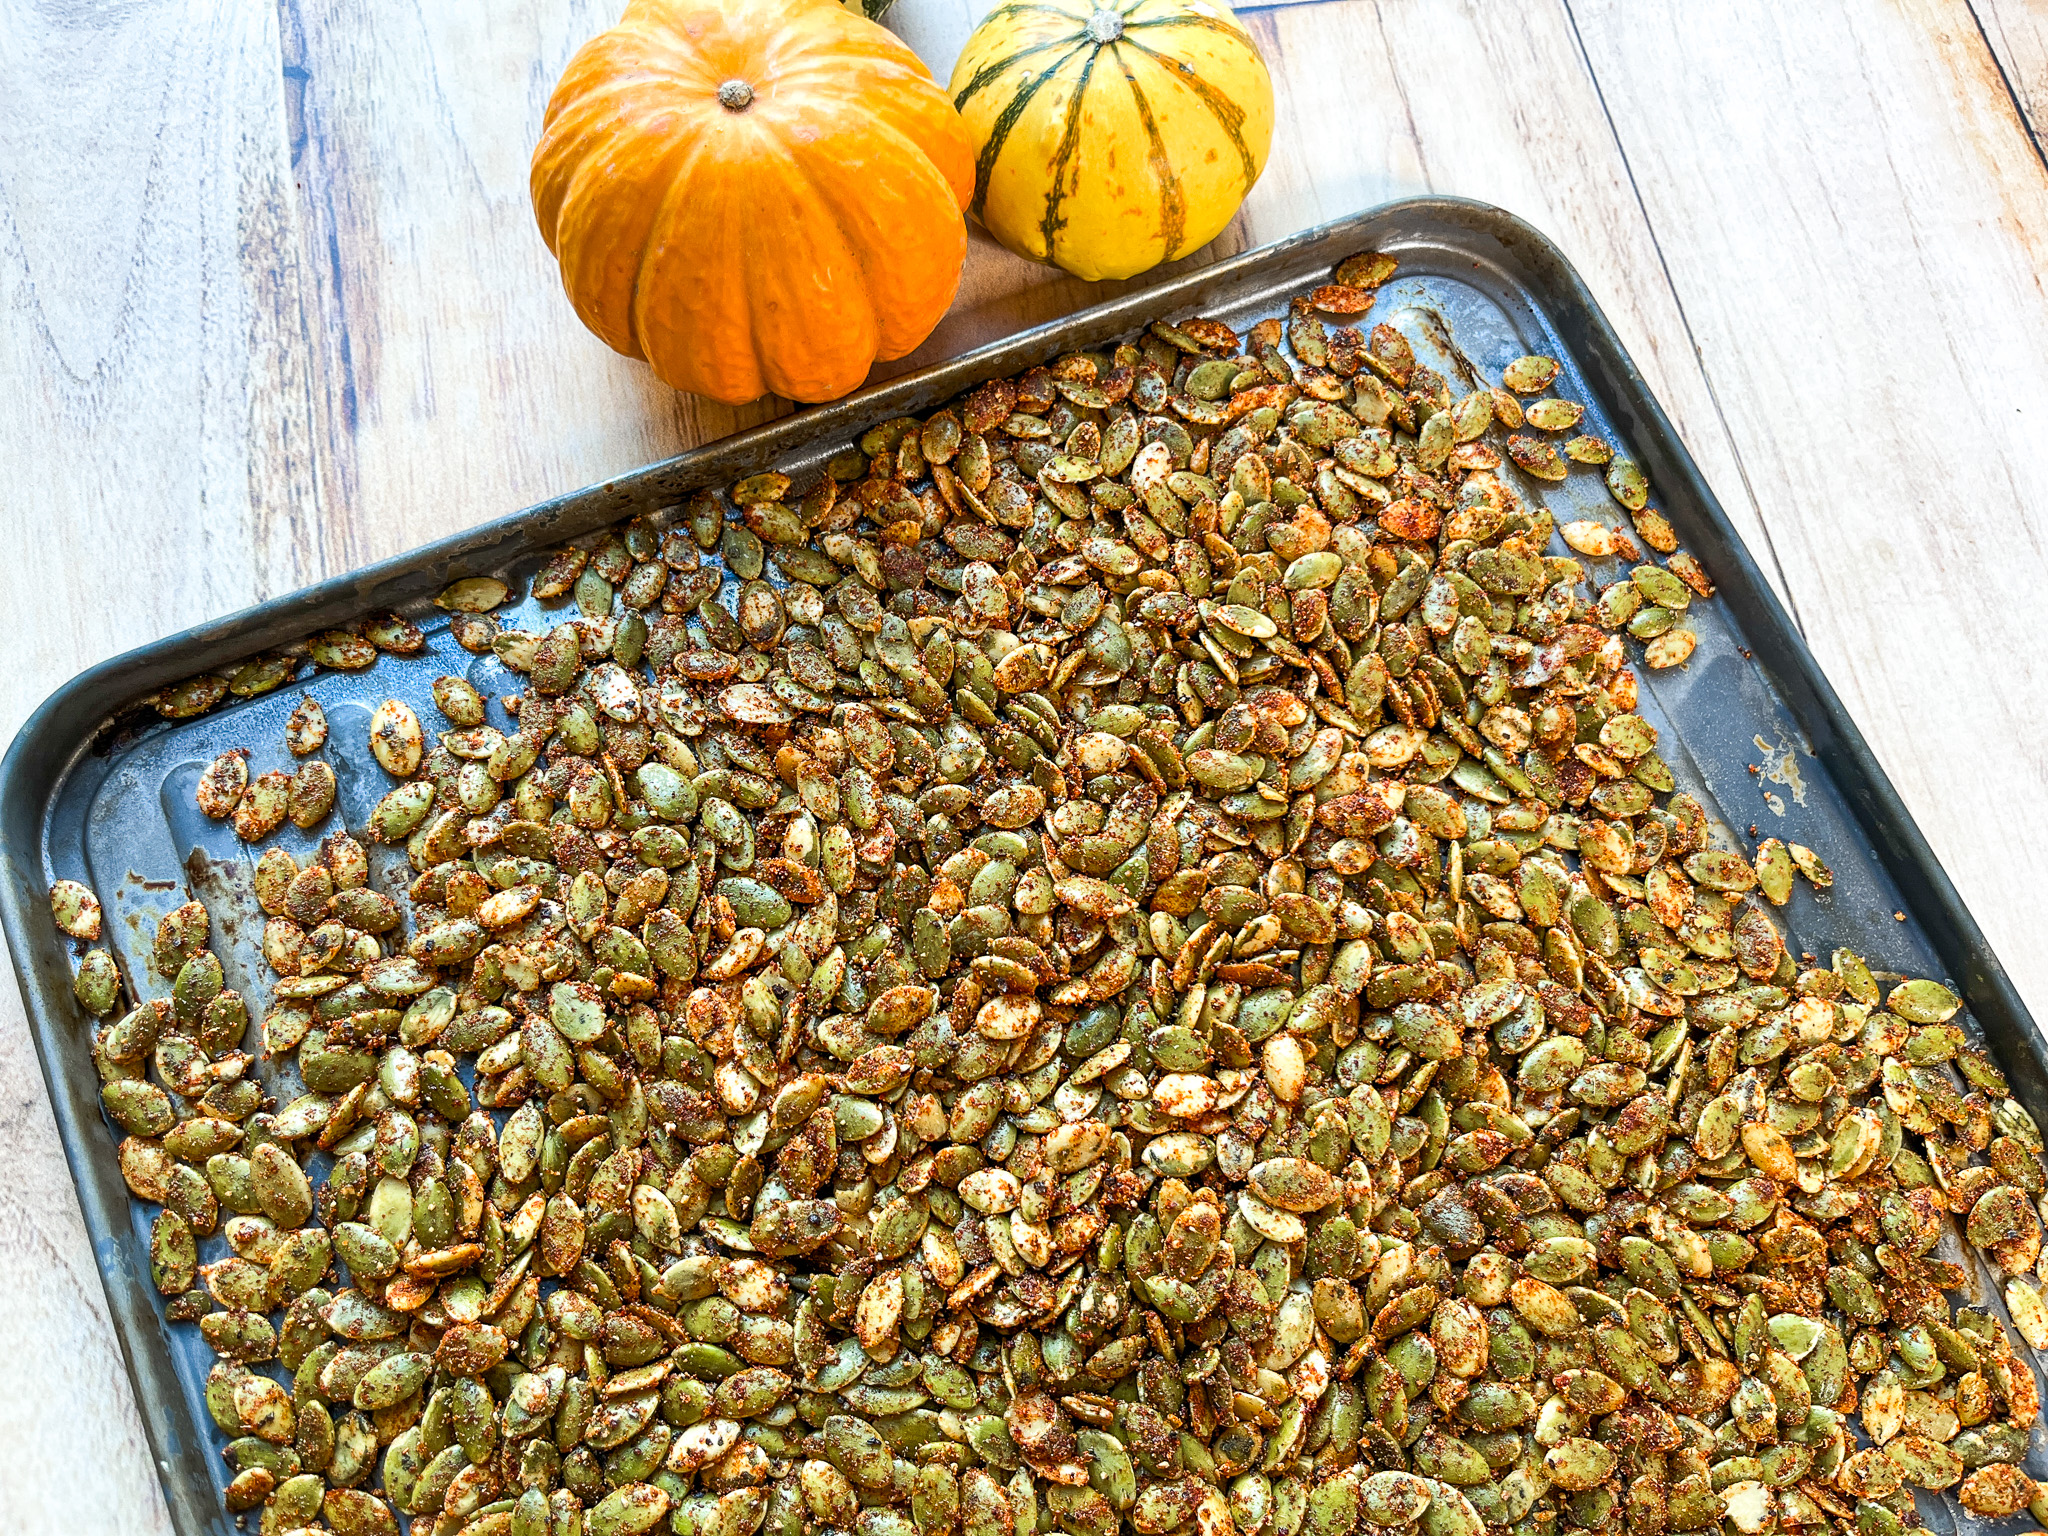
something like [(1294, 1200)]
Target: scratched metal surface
[(89, 792)]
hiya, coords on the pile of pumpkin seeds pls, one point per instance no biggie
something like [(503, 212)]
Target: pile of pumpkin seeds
[(1152, 979)]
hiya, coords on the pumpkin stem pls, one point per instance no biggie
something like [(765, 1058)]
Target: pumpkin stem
[(735, 95), (1105, 26)]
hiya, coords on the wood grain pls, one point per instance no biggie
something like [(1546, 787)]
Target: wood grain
[(155, 433), (1856, 223), (451, 381), (272, 304), (2017, 32)]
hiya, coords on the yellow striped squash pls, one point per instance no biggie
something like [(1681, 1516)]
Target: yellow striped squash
[(1112, 135)]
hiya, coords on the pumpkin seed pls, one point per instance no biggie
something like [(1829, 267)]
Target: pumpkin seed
[(1627, 484), (1530, 375), (396, 740), (221, 785), (75, 909), (472, 594), (1553, 415), (306, 730), (1536, 457)]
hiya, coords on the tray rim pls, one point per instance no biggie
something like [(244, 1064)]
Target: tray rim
[(72, 721)]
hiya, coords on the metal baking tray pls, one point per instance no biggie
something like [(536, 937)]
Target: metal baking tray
[(96, 789)]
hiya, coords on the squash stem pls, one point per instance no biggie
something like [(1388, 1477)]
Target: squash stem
[(735, 95)]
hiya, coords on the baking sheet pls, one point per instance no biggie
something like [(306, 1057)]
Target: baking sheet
[(97, 790)]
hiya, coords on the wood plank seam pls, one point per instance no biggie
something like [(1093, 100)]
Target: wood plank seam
[(2012, 92), (1784, 586)]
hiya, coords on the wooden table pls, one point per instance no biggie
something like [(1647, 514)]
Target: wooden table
[(272, 305)]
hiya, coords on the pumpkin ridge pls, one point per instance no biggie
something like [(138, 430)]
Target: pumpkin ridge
[(583, 188), (660, 48), (1050, 226), (815, 64), (824, 77), (905, 124), (1006, 122), (658, 225), (1229, 115), (826, 190), (588, 101), (836, 227), (988, 74), (1172, 205)]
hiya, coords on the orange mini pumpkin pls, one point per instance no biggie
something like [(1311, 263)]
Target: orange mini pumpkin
[(754, 195)]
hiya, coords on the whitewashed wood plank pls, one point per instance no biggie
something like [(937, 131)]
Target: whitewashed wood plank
[(154, 437), (1856, 225), (2017, 31), (156, 422), (453, 380)]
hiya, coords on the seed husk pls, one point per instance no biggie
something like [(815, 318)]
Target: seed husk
[(1553, 415), (396, 740), (472, 594), (97, 985), (306, 731), (1530, 375), (75, 909), (263, 806), (262, 674), (221, 785), (311, 793)]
